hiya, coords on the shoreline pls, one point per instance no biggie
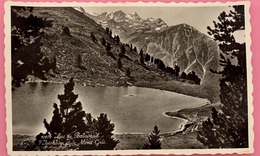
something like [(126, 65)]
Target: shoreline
[(186, 129), (170, 114), (148, 85)]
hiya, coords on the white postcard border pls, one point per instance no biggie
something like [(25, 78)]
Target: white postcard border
[(8, 86)]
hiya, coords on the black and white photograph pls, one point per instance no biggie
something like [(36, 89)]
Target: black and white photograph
[(128, 78)]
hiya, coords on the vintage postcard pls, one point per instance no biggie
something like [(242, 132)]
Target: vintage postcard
[(128, 78)]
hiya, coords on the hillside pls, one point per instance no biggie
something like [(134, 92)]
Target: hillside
[(98, 68)]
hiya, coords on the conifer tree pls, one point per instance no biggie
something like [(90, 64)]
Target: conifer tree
[(103, 41), (117, 39), (93, 37), (183, 75), (66, 31), (193, 77), (105, 135), (229, 127), (135, 49), (26, 34), (128, 72), (69, 120), (176, 70), (108, 49), (119, 63), (122, 51), (141, 57), (107, 30), (131, 47), (154, 140), (79, 60), (147, 57), (110, 33)]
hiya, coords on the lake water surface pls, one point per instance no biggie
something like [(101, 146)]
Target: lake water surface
[(131, 109)]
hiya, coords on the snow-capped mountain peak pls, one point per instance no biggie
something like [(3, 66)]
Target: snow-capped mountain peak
[(129, 23)]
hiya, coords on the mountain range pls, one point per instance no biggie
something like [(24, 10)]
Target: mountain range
[(181, 45)]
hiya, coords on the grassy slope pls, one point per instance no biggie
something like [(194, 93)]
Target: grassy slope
[(100, 68)]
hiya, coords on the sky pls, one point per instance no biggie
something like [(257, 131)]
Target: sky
[(198, 17)]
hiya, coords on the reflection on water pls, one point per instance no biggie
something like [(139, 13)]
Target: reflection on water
[(131, 109)]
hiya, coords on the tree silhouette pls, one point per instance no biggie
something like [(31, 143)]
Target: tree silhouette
[(128, 72), (183, 75), (141, 57), (69, 122), (110, 33), (159, 64), (229, 127), (119, 63), (193, 77), (105, 135), (169, 70), (122, 51), (66, 31), (135, 49), (93, 37), (147, 57), (26, 34), (107, 30), (108, 49), (176, 70), (117, 39), (79, 60), (154, 140), (103, 41)]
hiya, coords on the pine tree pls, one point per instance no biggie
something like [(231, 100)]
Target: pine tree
[(135, 49), (79, 60), (105, 129), (176, 70), (107, 30), (128, 72), (66, 31), (122, 52), (147, 57), (229, 127), (93, 37), (110, 33), (108, 49), (26, 34), (70, 120), (119, 63), (193, 77), (183, 75), (103, 41), (141, 57), (117, 39), (154, 140)]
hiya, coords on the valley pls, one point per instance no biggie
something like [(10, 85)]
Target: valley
[(80, 52)]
